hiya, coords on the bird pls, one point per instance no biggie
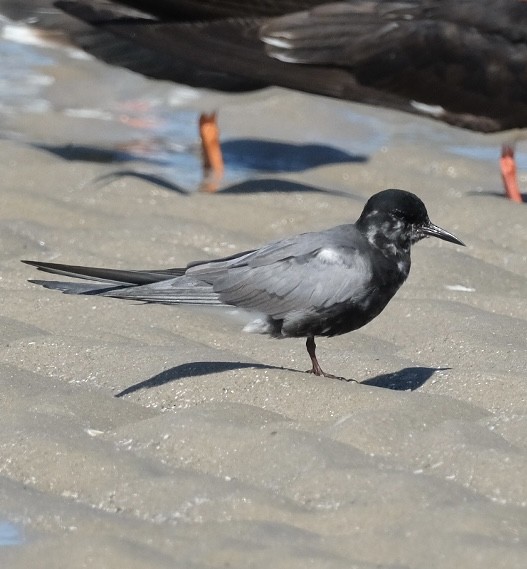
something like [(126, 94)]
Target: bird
[(463, 62), (313, 284)]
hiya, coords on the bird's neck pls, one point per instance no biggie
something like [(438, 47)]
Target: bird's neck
[(390, 236)]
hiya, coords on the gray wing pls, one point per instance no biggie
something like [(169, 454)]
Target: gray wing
[(308, 272)]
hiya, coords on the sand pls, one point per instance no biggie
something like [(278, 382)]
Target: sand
[(149, 436)]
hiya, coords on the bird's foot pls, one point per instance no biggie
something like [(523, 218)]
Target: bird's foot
[(320, 372), (211, 183)]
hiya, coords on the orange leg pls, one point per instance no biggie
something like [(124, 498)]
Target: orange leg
[(211, 151), (508, 174)]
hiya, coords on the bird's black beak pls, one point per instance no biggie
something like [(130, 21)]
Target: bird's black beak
[(435, 231)]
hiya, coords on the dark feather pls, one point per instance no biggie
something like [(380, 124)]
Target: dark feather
[(468, 57)]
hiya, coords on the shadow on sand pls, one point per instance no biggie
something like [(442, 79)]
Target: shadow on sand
[(194, 369), (406, 379), (242, 156)]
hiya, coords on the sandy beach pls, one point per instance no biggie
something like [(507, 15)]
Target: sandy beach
[(146, 436)]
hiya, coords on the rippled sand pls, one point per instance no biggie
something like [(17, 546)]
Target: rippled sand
[(150, 436)]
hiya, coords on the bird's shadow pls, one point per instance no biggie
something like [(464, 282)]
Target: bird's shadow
[(72, 152), (243, 157), (274, 156), (193, 369), (277, 185), (270, 156), (252, 186), (407, 379)]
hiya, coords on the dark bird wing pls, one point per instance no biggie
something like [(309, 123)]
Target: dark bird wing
[(468, 56), (225, 54), (201, 52)]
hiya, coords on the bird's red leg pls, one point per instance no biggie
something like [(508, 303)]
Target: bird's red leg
[(316, 369), (508, 174), (211, 151)]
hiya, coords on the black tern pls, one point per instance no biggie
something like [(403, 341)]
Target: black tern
[(314, 284), (460, 61)]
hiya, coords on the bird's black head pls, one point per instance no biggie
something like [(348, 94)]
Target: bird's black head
[(398, 218)]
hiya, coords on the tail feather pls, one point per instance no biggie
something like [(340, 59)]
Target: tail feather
[(181, 290), (169, 286), (76, 288), (135, 277)]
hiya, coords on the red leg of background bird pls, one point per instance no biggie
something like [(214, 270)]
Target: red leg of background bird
[(508, 174), (211, 151), (316, 369)]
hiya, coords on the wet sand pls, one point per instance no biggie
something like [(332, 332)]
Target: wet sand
[(149, 436)]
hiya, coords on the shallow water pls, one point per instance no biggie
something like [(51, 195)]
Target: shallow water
[(10, 534), (149, 129)]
